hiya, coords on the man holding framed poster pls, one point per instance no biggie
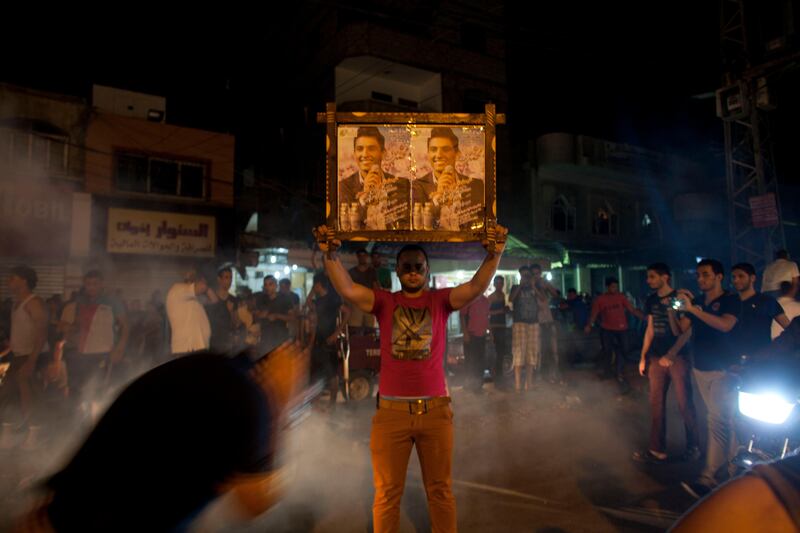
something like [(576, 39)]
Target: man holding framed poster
[(413, 401), (459, 169)]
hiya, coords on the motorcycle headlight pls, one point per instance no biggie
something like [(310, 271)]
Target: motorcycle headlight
[(769, 407)]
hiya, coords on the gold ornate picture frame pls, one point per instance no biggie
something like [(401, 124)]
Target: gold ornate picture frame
[(422, 177)]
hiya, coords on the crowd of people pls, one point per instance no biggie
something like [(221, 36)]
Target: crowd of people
[(547, 332), (687, 334), (69, 353), (64, 355)]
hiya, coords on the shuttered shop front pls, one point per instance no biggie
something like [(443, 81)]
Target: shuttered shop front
[(51, 277)]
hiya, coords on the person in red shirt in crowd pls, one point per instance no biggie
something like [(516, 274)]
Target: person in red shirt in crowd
[(474, 324), (610, 307), (413, 401)]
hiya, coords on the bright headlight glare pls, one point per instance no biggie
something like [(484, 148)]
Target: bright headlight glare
[(770, 407)]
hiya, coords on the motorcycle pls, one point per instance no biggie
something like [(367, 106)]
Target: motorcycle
[(768, 395)]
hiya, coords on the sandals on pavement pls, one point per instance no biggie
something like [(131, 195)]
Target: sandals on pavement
[(648, 457)]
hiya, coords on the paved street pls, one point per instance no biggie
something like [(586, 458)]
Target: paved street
[(553, 459)]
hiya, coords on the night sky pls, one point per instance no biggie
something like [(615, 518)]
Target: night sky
[(622, 71), (626, 71)]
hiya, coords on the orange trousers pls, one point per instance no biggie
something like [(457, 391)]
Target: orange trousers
[(393, 435)]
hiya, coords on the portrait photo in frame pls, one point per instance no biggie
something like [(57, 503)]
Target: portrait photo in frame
[(411, 176)]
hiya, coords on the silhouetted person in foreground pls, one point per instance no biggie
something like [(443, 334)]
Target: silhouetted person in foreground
[(177, 438)]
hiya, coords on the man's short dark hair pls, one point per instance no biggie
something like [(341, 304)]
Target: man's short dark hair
[(781, 254), (370, 131), (202, 272), (93, 274), (611, 280), (446, 133), (786, 288), (322, 279), (524, 268), (361, 251), (536, 266), (572, 289), (716, 266), (27, 273), (222, 270), (660, 268), (747, 268), (270, 276), (285, 281), (412, 248)]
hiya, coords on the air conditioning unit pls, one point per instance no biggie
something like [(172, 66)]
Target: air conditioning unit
[(776, 45), (732, 102), (764, 99)]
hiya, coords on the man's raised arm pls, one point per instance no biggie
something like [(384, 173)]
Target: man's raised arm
[(356, 294), (466, 292)]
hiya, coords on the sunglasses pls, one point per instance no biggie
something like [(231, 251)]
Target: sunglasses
[(407, 268)]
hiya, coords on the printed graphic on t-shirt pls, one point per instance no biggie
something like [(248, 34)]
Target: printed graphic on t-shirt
[(411, 333), (657, 308)]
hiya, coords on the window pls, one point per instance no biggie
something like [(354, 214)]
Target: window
[(192, 180), (408, 103), (57, 155), (606, 221), (163, 177), (132, 173), (649, 226), (155, 175), (382, 97), (43, 151), (562, 215)]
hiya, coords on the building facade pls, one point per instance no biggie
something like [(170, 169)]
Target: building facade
[(611, 209), (41, 186), (110, 185)]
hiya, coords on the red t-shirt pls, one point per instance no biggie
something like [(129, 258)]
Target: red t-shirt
[(611, 310), (477, 315), (413, 338), (85, 315)]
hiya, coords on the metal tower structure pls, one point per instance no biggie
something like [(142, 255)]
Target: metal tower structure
[(743, 103)]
